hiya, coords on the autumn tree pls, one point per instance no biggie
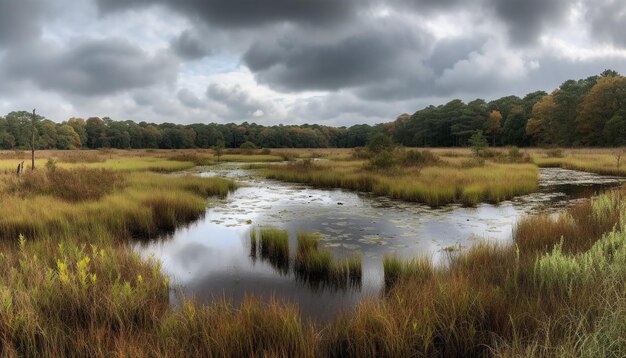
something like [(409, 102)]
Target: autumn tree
[(605, 100), (493, 126), (540, 124)]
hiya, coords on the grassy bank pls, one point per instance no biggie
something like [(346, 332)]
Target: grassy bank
[(446, 183), (599, 161), (92, 203)]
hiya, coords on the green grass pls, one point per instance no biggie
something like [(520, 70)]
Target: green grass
[(319, 269), (396, 269), (274, 247)]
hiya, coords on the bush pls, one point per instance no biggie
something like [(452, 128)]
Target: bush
[(247, 147), (478, 142), (383, 160), (416, 158), (266, 151), (379, 142), (361, 153)]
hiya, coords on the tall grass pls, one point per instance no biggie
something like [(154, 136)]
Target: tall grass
[(145, 205), (433, 185), (274, 247), (71, 287), (319, 269)]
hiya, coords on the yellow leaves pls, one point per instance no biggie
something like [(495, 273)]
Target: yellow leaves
[(495, 118), (62, 272), (83, 271)]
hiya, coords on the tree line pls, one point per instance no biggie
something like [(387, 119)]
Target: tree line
[(585, 112)]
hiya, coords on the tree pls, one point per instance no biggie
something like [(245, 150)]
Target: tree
[(478, 142), (540, 125), (67, 138), (606, 99), (514, 129), (218, 148), (96, 133), (78, 124), (614, 133), (493, 126), (379, 143)]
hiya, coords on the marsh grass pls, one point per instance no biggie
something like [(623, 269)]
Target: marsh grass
[(599, 161), (72, 299), (396, 269), (75, 185), (73, 288), (144, 206), (431, 185), (319, 269), (274, 247)]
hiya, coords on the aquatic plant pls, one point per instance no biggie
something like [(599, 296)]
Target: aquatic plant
[(319, 269), (274, 247)]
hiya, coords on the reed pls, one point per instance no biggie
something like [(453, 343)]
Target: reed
[(431, 185), (274, 247), (319, 269)]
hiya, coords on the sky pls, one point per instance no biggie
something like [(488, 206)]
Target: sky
[(332, 62)]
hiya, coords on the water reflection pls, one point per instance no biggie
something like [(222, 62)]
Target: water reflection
[(216, 255)]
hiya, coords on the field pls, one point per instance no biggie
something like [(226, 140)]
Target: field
[(71, 285)]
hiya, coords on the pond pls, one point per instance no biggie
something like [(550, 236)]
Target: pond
[(211, 258)]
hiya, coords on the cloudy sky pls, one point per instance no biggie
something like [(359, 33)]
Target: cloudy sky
[(336, 62)]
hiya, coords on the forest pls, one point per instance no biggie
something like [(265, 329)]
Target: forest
[(580, 113)]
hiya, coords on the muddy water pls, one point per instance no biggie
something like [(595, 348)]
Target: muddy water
[(211, 257)]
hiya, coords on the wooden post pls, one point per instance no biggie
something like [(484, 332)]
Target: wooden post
[(32, 141)]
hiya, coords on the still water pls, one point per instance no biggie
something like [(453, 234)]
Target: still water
[(211, 257)]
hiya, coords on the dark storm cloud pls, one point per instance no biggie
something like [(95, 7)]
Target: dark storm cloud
[(191, 46), (19, 20), (296, 62), (526, 19), (608, 20), (247, 13), (94, 67), (447, 52)]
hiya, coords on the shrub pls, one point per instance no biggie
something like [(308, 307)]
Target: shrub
[(383, 160), (361, 153), (247, 147), (418, 158), (266, 151), (379, 142), (478, 142)]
